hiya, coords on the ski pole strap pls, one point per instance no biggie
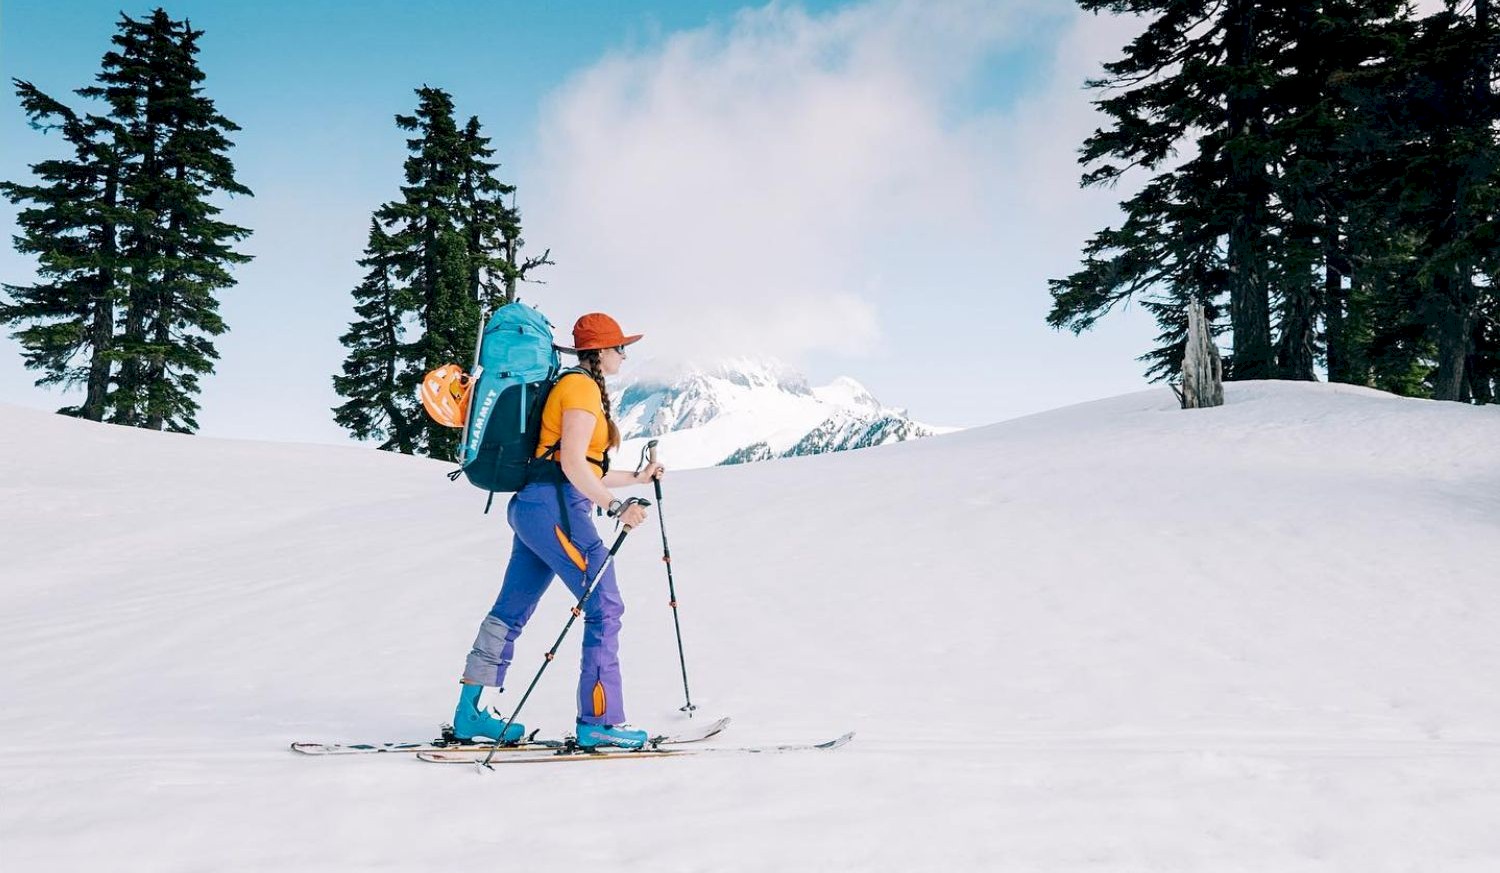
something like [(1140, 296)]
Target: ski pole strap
[(648, 454)]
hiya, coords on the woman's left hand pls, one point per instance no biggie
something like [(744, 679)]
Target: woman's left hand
[(653, 471)]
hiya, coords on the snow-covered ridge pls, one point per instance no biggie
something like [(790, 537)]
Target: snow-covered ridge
[(1117, 636), (745, 410)]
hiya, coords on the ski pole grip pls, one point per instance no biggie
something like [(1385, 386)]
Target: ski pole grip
[(634, 501), (655, 480)]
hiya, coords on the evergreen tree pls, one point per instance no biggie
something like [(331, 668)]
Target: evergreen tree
[(439, 257), (72, 229), (379, 407), (1454, 168), (175, 247), (1428, 188), (489, 224), (127, 230), (1198, 230), (1484, 363), (1276, 207), (429, 253), (1372, 336), (1315, 132)]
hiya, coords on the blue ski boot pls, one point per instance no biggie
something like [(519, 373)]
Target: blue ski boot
[(591, 736), (471, 722)]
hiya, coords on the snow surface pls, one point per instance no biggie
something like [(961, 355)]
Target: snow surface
[(1113, 637)]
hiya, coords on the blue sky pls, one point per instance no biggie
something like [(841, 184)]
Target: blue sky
[(875, 189)]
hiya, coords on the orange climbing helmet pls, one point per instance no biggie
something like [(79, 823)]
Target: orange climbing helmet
[(445, 395)]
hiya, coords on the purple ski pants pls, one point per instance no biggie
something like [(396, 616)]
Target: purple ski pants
[(537, 554)]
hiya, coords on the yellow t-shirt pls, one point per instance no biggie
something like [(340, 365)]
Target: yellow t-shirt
[(574, 391)]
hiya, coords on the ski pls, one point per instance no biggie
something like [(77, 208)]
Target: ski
[(440, 744), (431, 746), (575, 753), (531, 744)]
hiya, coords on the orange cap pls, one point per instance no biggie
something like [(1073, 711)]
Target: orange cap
[(598, 331)]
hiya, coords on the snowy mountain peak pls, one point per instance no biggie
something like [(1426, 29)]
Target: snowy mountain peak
[(746, 409), (847, 393), (760, 373)]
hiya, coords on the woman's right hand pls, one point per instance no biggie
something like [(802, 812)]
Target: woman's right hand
[(633, 515)]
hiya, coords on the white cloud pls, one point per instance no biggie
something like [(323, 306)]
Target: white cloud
[(745, 189)]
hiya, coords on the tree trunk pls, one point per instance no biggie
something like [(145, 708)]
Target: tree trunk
[(1333, 306), (101, 337), (133, 391), (1454, 288), (1455, 327), (1202, 369), (159, 391), (1249, 300), (1296, 351), (127, 408), (102, 328), (1481, 371)]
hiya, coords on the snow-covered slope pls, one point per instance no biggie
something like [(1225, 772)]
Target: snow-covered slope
[(745, 410), (1114, 637)]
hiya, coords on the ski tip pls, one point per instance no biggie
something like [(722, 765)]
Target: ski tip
[(308, 748), (838, 743)]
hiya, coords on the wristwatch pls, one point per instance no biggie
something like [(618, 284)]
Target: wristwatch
[(614, 508)]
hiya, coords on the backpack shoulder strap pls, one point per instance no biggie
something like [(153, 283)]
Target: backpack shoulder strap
[(570, 371), (552, 451), (553, 455)]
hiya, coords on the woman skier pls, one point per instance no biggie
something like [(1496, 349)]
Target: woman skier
[(554, 536)]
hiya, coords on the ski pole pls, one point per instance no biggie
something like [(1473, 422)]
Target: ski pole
[(666, 557), (552, 652)]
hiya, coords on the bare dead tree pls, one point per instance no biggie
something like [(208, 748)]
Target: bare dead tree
[(1202, 369)]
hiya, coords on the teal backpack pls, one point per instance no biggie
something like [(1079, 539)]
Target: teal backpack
[(514, 369)]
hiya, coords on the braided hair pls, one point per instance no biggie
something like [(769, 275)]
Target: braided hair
[(589, 360)]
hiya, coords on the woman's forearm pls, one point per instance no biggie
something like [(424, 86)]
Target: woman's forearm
[(621, 479)]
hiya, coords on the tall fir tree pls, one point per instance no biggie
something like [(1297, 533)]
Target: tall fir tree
[(1341, 191), (429, 252), (1198, 230), (1454, 204), (373, 379), (160, 253), (176, 249), (1428, 187), (72, 227), (491, 226), (1313, 131), (439, 257), (1386, 341)]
